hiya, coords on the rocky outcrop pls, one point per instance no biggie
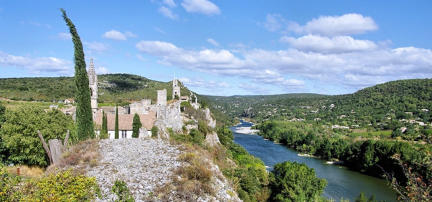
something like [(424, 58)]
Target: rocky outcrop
[(211, 122), (212, 139)]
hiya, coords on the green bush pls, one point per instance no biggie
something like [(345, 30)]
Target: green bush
[(8, 186), (63, 186), (122, 191), (197, 136), (154, 131), (293, 181), (19, 136)]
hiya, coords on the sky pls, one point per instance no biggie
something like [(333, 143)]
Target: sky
[(225, 47)]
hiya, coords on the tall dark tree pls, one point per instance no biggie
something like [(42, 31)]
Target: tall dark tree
[(104, 131), (136, 125), (116, 129), (84, 118)]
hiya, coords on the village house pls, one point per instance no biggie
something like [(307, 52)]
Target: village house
[(125, 124)]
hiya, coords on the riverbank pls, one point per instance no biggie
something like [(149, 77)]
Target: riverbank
[(245, 130), (341, 182)]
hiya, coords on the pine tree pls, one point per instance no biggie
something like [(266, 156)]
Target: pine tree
[(104, 131), (136, 125), (116, 129), (84, 118)]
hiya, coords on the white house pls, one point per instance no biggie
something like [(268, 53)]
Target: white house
[(125, 124)]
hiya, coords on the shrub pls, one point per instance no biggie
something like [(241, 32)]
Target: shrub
[(8, 186), (19, 133), (154, 131), (63, 186), (197, 136), (293, 181), (122, 191)]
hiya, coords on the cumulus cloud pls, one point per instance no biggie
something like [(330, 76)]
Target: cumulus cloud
[(337, 44), (157, 47), (117, 35), (293, 67), (167, 13), (200, 83), (213, 42), (96, 46), (36, 64), (347, 24), (200, 6), (222, 62)]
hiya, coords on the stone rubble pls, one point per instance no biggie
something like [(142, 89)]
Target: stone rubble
[(144, 164)]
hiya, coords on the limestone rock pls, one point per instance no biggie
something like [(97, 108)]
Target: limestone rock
[(211, 121), (212, 139)]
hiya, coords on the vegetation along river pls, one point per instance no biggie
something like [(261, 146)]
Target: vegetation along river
[(341, 182)]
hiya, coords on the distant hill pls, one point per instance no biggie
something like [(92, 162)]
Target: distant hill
[(112, 88), (402, 99)]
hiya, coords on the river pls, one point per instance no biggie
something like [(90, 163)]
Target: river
[(341, 182)]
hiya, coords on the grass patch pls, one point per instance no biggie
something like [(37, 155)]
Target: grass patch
[(85, 153), (26, 171)]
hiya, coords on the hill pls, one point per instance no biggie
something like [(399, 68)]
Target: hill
[(377, 105), (112, 88)]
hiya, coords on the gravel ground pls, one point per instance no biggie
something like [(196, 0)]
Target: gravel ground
[(144, 164)]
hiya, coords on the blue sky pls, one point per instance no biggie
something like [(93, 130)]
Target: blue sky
[(225, 47)]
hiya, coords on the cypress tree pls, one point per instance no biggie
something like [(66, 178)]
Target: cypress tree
[(84, 118), (136, 125), (116, 129), (104, 131)]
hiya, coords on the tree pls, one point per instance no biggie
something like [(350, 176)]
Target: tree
[(84, 118), (293, 181), (116, 129), (19, 133), (136, 125), (104, 131)]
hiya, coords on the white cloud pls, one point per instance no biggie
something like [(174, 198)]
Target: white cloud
[(200, 6), (64, 36), (96, 46), (200, 83), (102, 70), (213, 42), (293, 68), (117, 35), (337, 44), (157, 47), (347, 24), (169, 3), (167, 13), (37, 64)]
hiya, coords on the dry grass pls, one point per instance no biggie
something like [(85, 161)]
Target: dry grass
[(26, 171), (190, 181), (83, 154)]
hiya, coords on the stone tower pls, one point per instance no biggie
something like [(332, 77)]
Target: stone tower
[(93, 84), (176, 89), (162, 97)]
